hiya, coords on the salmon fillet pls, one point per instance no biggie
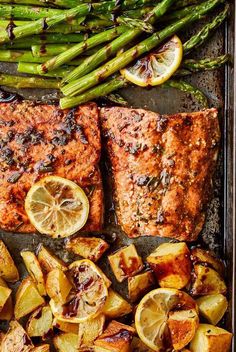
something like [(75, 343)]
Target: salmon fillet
[(39, 140), (162, 169)]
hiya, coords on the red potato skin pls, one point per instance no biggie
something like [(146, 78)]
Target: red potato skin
[(162, 169), (67, 141)]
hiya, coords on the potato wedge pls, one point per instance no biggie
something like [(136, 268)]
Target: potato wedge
[(171, 264), (139, 284), (66, 342), (210, 338), (41, 348), (49, 261), (58, 286), (116, 338), (201, 256), (7, 311), (35, 271), (207, 281), (5, 293), (8, 270), (40, 322), (125, 262), (16, 339), (90, 330), (65, 327), (183, 325), (27, 298), (115, 305), (88, 247), (212, 307)]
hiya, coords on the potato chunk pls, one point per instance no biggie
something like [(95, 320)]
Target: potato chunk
[(115, 305), (212, 307), (41, 348), (210, 338), (90, 330), (138, 346), (35, 271), (66, 342), (7, 311), (16, 339), (49, 261), (116, 338), (40, 322), (183, 325), (65, 326), (58, 286), (5, 293), (88, 247), (8, 270), (171, 264), (207, 281), (139, 284), (27, 298), (125, 262), (201, 256)]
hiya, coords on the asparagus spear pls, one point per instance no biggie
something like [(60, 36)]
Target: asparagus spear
[(135, 23), (30, 68), (41, 25), (205, 32), (103, 54), (119, 62), (80, 48), (28, 82), (187, 88), (49, 49), (205, 64), (45, 3)]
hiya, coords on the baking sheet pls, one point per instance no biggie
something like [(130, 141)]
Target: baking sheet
[(219, 230)]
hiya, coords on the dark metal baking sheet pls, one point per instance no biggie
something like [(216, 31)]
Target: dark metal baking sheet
[(219, 231)]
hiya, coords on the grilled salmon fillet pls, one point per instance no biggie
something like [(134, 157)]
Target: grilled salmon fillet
[(162, 169), (39, 140)]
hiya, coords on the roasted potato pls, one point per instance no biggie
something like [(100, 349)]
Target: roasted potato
[(66, 342), (88, 247), (40, 322), (210, 338), (212, 307), (183, 325), (137, 345), (125, 262), (16, 339), (27, 298), (58, 286), (5, 293), (65, 327), (7, 311), (115, 305), (207, 281), (201, 256), (35, 271), (139, 284), (116, 338), (49, 261), (41, 348), (90, 330), (8, 270), (171, 264)]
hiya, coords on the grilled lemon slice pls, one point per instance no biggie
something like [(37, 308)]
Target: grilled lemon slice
[(88, 296), (157, 67), (152, 314), (57, 207)]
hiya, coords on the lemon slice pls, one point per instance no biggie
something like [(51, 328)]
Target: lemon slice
[(57, 207), (88, 297), (157, 67), (151, 318)]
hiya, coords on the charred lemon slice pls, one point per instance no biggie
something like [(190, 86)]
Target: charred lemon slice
[(152, 315), (57, 207), (157, 67), (88, 297)]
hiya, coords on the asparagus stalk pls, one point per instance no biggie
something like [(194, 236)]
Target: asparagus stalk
[(49, 49), (80, 48), (136, 24), (41, 25), (119, 62), (103, 54), (206, 31), (30, 68), (187, 88), (45, 3), (28, 82), (206, 64)]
